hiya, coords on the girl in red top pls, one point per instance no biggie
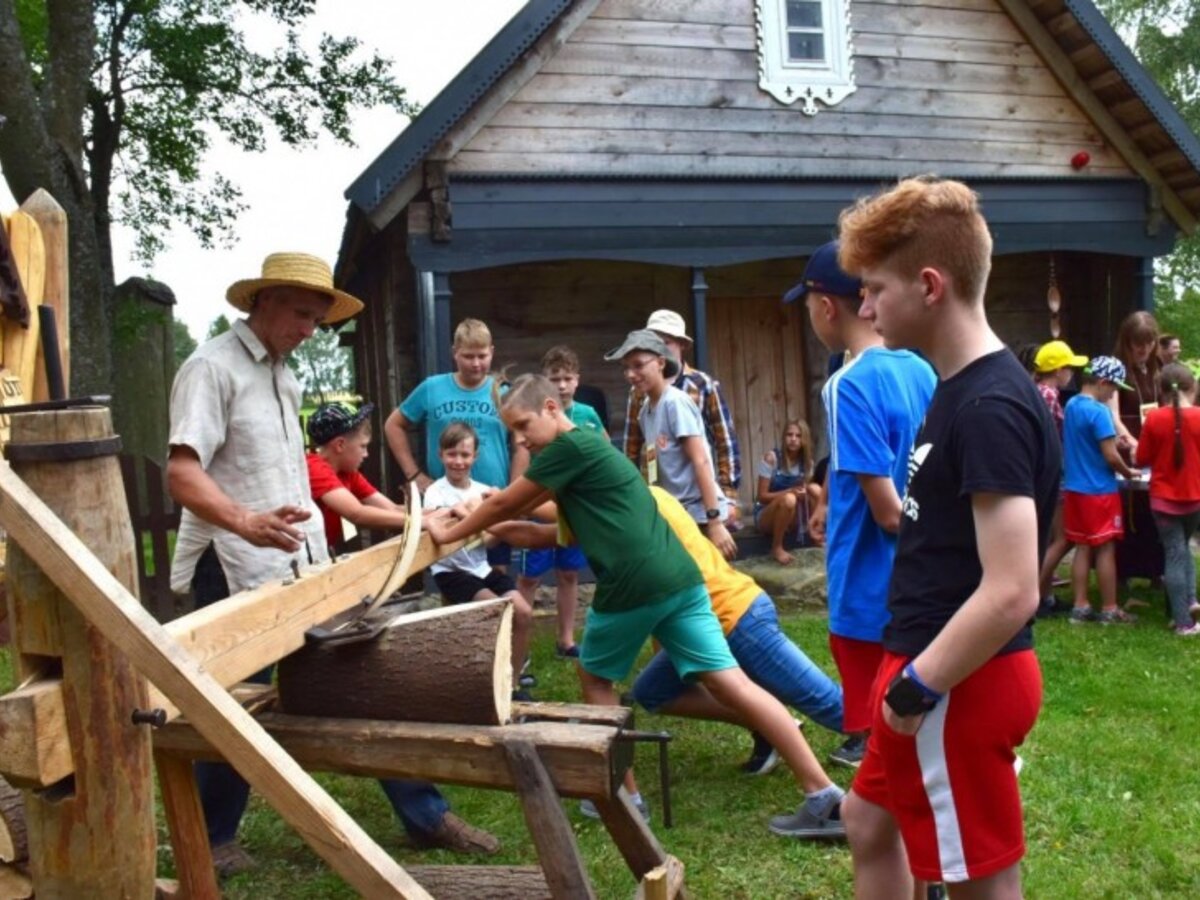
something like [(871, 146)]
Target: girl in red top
[(1170, 446)]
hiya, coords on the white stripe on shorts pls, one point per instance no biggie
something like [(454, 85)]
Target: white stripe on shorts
[(931, 755)]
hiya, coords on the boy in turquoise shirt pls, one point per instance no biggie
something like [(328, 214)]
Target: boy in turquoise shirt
[(647, 584)]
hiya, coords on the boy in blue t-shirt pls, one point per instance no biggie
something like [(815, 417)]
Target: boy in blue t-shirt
[(561, 366), (464, 395), (1091, 502), (874, 405)]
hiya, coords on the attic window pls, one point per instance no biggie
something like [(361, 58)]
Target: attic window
[(804, 51)]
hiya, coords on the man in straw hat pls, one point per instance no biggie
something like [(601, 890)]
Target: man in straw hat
[(236, 465)]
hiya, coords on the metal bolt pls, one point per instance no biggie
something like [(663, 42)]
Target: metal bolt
[(155, 718)]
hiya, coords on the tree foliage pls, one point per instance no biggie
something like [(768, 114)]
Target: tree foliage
[(323, 366), (185, 344), (113, 105), (1165, 37)]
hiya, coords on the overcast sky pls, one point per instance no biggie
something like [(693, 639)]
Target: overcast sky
[(295, 197)]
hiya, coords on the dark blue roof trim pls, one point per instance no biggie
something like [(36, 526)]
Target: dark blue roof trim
[(1147, 89), (455, 100)]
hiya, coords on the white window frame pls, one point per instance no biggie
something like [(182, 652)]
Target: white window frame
[(830, 80)]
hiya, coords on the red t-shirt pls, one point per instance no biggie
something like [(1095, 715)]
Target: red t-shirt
[(1156, 449), (322, 479)]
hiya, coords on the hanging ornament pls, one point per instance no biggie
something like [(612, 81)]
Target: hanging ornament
[(1054, 302)]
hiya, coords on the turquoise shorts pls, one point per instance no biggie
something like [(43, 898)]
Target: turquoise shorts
[(684, 624)]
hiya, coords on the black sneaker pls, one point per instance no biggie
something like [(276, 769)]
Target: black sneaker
[(523, 696), (850, 754), (763, 758), (1051, 608), (526, 678)]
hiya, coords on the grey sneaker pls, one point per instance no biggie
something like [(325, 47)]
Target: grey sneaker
[(851, 753), (1116, 616), (588, 808), (1081, 615), (805, 825)]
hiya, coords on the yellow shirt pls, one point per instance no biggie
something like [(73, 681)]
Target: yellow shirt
[(731, 591)]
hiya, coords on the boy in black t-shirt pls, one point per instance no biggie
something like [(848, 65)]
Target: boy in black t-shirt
[(936, 797)]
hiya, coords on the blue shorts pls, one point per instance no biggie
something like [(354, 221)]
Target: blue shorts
[(499, 555), (684, 624), (536, 563)]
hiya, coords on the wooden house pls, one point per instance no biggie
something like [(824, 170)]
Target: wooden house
[(600, 159)]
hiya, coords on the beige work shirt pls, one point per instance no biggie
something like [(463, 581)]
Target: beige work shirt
[(239, 410)]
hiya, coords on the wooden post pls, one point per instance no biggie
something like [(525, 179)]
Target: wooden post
[(93, 835), (56, 290)]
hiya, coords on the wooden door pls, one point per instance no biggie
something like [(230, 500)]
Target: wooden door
[(756, 350)]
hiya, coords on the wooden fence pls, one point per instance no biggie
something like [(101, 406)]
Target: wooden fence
[(155, 520)]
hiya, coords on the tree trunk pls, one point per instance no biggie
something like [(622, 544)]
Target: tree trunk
[(449, 665)]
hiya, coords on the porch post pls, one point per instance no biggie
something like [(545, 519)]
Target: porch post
[(441, 320), (433, 322), (1144, 285), (700, 319)]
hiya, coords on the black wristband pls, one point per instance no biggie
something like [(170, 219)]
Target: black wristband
[(408, 477)]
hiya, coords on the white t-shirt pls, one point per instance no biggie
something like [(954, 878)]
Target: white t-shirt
[(443, 494), (675, 416)]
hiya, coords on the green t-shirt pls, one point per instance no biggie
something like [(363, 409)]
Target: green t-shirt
[(635, 555), (585, 417)]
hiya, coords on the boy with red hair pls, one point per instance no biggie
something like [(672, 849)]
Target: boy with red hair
[(936, 797)]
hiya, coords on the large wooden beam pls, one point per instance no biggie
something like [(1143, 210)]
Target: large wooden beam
[(231, 639), (118, 615), (582, 760)]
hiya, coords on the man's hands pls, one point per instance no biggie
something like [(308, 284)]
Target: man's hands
[(274, 528)]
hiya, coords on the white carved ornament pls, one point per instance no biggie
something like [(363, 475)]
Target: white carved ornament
[(830, 80)]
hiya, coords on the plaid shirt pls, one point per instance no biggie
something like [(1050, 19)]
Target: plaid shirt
[(705, 392)]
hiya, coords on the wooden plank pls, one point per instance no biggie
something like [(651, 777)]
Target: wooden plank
[(662, 882), (715, 12), (185, 823), (35, 750), (117, 614), (578, 713), (883, 168), (29, 255), (914, 151), (478, 882), (549, 827), (579, 758), (629, 831), (1074, 84), (605, 117), (702, 92), (56, 288)]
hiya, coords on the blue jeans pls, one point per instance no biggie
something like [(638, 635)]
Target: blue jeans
[(769, 658), (224, 793)]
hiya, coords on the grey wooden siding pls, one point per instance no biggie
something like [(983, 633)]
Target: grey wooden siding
[(671, 88)]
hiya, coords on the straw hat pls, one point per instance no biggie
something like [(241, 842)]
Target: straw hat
[(297, 270)]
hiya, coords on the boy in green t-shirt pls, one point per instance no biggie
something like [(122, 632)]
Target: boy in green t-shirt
[(561, 366), (647, 584)]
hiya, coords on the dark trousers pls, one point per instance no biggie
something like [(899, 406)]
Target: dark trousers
[(224, 793)]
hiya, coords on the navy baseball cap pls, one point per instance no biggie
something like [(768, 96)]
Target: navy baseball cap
[(332, 420), (825, 276)]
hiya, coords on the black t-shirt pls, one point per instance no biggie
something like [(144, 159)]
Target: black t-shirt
[(986, 431)]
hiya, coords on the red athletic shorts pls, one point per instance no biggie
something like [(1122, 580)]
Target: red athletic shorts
[(952, 787), (1092, 519), (857, 662)]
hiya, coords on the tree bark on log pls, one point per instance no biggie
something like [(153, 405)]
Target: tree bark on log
[(449, 665), (14, 843), (473, 882)]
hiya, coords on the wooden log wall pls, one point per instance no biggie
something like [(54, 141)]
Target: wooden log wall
[(657, 87)]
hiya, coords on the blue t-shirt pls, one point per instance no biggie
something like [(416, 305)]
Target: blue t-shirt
[(1087, 422), (874, 407), (437, 401)]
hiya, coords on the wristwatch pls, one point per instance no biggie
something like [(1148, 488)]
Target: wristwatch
[(907, 696), (712, 514)]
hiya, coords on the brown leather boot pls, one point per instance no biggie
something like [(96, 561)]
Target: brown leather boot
[(454, 834), (231, 859)]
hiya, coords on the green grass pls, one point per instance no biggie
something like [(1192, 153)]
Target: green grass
[(1111, 788)]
